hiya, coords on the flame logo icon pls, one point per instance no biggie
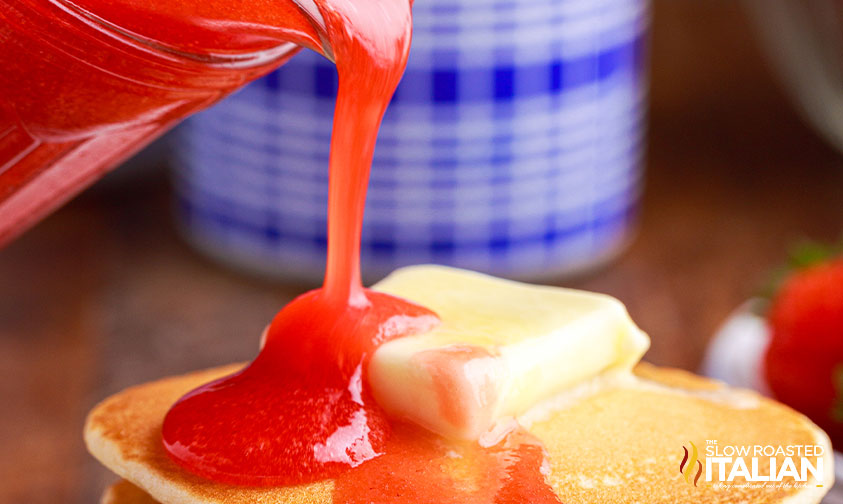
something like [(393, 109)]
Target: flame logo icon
[(686, 467)]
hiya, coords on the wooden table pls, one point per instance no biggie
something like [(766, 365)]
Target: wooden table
[(104, 294)]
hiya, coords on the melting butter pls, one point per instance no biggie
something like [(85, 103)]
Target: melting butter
[(502, 348)]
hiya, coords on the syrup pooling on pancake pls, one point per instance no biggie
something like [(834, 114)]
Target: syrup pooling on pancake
[(421, 468), (301, 411)]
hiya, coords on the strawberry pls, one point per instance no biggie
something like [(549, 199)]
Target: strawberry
[(804, 361)]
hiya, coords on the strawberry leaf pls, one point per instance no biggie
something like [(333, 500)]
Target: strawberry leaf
[(802, 255)]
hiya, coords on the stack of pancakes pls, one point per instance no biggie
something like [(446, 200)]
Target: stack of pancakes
[(609, 440)]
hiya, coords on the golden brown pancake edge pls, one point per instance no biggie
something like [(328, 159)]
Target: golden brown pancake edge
[(629, 457)]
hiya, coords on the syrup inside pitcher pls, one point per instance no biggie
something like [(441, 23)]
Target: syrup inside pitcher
[(87, 83)]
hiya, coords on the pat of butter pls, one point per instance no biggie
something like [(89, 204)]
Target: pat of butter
[(502, 347)]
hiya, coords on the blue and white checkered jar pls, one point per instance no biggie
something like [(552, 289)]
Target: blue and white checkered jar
[(513, 145)]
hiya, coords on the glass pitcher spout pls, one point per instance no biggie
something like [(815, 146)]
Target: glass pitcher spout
[(317, 21)]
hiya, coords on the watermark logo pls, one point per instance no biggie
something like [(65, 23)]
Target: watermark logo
[(752, 466), (689, 460)]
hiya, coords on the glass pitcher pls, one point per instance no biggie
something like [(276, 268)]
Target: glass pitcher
[(79, 93)]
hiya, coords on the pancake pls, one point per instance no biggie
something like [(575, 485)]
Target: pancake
[(615, 439), (124, 492)]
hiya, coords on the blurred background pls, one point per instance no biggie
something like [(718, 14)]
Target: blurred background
[(107, 292)]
